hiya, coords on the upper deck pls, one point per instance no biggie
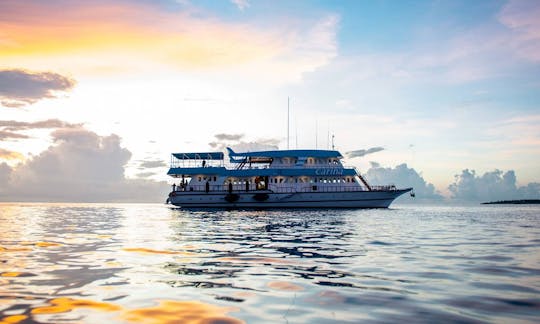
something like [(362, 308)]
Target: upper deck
[(260, 163)]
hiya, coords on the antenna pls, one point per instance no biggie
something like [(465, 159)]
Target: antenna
[(296, 132), (316, 133), (333, 147), (287, 123), (328, 136)]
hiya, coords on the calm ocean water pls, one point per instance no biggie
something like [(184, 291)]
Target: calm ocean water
[(92, 263)]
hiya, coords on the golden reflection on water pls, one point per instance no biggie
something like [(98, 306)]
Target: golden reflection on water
[(63, 305), (47, 244), (169, 311), (151, 251), (10, 274), (13, 319)]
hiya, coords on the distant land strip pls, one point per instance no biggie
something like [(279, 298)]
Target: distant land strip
[(514, 202)]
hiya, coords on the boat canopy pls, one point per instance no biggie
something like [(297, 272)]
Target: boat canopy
[(287, 153), (199, 156)]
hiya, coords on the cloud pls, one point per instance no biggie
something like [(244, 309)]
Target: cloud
[(10, 129), (402, 176), (152, 164), (145, 174), (13, 125), (522, 18), (229, 137), (241, 4), (491, 186), (233, 141), (360, 153), (5, 174), (80, 166), (10, 155), (20, 88), (5, 135), (116, 36)]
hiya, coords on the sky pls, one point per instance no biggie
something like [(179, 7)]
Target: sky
[(440, 95)]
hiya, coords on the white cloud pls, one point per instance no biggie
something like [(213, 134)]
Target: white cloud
[(241, 4), (523, 17), (403, 177), (80, 166), (491, 186)]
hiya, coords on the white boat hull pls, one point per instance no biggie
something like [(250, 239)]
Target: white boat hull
[(268, 199)]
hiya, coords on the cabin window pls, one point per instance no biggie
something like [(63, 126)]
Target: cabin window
[(215, 179)]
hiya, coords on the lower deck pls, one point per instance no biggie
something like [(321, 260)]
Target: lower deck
[(268, 199)]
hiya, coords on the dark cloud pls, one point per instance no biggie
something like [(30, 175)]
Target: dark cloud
[(229, 137), (5, 135), (360, 153), (402, 176), (80, 166), (10, 129), (491, 186), (145, 174), (20, 88), (13, 125), (152, 164)]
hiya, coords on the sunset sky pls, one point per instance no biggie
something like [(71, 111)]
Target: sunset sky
[(99, 93)]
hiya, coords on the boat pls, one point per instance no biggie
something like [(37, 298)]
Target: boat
[(272, 179)]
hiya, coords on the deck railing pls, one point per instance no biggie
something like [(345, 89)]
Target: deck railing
[(281, 189)]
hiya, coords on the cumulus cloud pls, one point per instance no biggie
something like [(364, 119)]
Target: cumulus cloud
[(491, 186), (360, 153), (80, 166), (20, 88), (402, 176), (5, 173)]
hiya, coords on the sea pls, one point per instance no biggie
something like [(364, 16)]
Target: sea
[(152, 263)]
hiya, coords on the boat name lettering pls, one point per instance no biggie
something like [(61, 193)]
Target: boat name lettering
[(321, 172)]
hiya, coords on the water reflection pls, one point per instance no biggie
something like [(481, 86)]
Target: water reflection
[(154, 264)]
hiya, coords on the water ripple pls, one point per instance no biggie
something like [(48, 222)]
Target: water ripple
[(129, 263)]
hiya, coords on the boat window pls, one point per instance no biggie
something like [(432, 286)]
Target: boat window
[(215, 179)]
